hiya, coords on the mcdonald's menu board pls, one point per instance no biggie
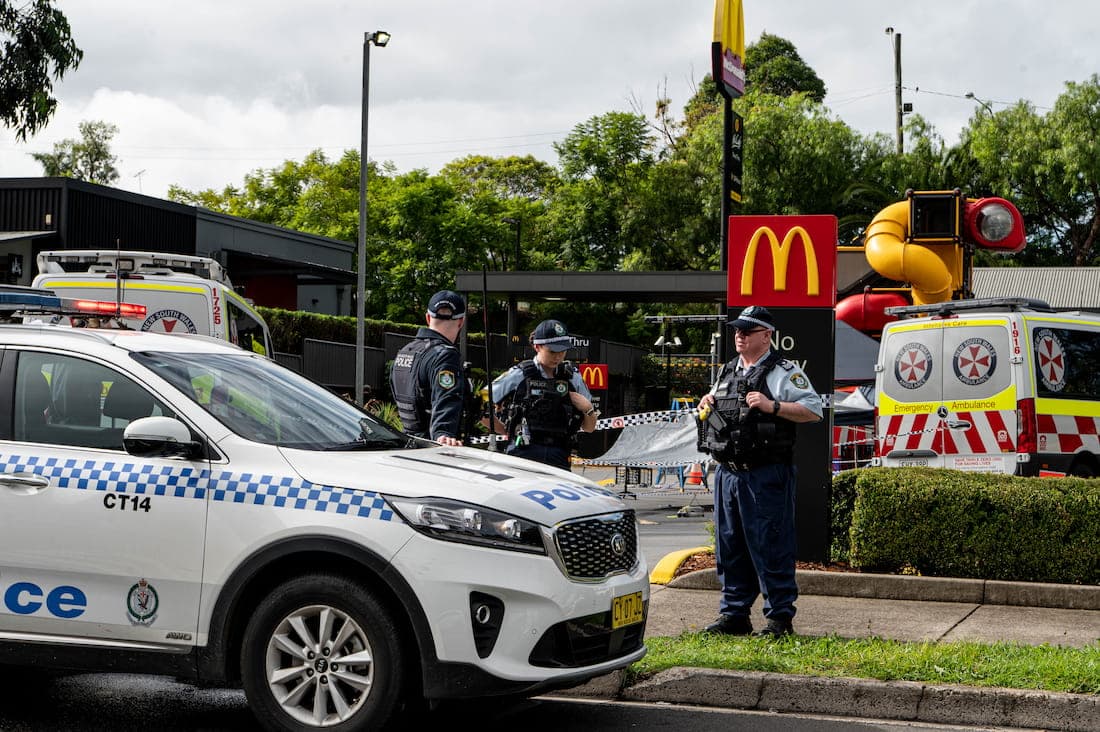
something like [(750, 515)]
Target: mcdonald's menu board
[(782, 261)]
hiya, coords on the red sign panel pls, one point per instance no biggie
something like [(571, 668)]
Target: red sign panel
[(594, 375), (782, 261)]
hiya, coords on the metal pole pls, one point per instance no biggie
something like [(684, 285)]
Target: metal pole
[(493, 447), (512, 315), (897, 90), (361, 251)]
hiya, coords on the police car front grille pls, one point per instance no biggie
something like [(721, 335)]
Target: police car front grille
[(585, 642), (590, 548)]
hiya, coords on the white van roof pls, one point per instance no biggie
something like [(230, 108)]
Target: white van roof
[(942, 309), (108, 261)]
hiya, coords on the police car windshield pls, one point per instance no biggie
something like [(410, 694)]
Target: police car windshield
[(264, 402)]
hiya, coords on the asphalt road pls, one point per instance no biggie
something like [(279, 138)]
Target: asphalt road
[(125, 703)]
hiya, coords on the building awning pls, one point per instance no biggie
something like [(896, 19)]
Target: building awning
[(600, 286), (305, 273), (15, 236)]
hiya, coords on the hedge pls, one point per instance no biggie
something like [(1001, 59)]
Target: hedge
[(950, 523), (289, 328)]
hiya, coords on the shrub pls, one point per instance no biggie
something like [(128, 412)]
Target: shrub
[(957, 524)]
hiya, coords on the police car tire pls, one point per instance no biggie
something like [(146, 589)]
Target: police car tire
[(283, 700)]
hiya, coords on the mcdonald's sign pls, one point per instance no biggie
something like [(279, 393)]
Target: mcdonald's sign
[(782, 261), (594, 375)]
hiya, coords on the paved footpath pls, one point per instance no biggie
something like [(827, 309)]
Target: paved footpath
[(854, 605)]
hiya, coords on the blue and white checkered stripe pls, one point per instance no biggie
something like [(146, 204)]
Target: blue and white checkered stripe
[(185, 482)]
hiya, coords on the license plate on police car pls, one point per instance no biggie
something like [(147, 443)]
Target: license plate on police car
[(627, 610)]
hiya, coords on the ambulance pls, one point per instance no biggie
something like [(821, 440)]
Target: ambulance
[(1002, 385), (182, 293)]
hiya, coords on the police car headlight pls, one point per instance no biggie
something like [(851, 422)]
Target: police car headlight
[(468, 523)]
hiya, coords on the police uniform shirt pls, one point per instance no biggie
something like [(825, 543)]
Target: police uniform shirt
[(786, 385), (506, 384), (440, 374)]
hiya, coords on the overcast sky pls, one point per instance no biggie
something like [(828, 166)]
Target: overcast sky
[(205, 91)]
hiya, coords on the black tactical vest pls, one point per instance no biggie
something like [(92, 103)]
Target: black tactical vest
[(545, 405), (413, 404), (747, 436)]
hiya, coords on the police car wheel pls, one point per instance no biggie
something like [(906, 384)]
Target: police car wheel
[(321, 652)]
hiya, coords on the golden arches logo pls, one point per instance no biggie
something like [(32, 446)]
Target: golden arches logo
[(594, 376), (781, 254)]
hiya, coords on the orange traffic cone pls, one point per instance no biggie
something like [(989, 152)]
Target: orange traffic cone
[(695, 475)]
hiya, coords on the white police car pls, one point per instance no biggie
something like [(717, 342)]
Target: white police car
[(175, 505)]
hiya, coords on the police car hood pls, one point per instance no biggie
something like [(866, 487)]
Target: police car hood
[(520, 487)]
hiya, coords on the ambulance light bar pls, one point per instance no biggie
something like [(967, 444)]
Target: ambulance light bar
[(942, 309)]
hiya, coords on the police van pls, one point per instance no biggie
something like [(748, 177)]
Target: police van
[(182, 293), (1004, 385), (180, 506)]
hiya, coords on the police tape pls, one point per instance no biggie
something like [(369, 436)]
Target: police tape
[(613, 423), (627, 420)]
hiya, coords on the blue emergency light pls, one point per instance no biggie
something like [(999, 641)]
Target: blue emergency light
[(25, 297)]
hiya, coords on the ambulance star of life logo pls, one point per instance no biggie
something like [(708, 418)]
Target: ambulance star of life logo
[(913, 365), (975, 361), (1050, 360)]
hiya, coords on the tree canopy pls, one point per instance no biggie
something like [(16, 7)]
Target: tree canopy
[(88, 158), (630, 195), (37, 48)]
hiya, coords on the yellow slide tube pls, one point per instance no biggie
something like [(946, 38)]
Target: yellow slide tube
[(890, 255)]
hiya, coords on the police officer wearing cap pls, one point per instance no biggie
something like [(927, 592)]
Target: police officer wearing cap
[(747, 424), (427, 380), (546, 401)]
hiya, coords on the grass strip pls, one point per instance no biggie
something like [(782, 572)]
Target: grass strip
[(1009, 665)]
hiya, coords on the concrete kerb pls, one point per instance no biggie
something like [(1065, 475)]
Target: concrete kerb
[(901, 700), (930, 589)]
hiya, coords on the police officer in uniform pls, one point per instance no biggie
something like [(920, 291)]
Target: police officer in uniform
[(427, 380), (545, 400), (747, 424)]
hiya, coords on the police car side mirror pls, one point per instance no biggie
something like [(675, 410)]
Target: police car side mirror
[(159, 437)]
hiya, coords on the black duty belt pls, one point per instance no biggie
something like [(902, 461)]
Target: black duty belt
[(743, 465)]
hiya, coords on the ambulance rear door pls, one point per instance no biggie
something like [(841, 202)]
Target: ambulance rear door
[(946, 397), (981, 356)]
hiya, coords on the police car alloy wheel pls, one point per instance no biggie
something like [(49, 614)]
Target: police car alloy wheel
[(322, 653)]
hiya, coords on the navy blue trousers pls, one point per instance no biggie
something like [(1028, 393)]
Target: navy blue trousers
[(546, 454), (755, 542)]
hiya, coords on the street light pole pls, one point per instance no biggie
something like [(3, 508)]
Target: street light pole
[(970, 95), (897, 87), (380, 39)]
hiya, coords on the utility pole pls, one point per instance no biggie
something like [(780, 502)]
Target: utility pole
[(897, 86)]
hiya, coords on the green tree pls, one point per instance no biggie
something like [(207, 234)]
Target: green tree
[(1049, 166), (506, 195), (89, 158), (603, 162), (37, 48), (773, 66)]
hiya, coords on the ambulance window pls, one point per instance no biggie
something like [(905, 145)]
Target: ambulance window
[(1065, 363), (68, 401), (245, 330)]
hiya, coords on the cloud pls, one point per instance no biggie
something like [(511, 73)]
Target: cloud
[(204, 92)]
